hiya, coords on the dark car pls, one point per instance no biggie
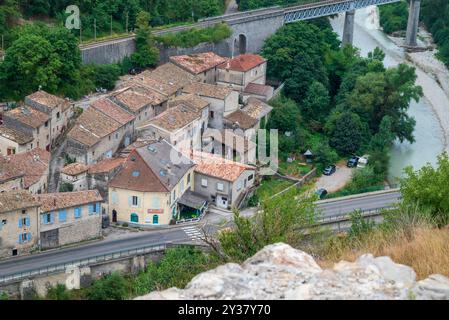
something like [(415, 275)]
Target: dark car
[(329, 170), (352, 162), (135, 71), (321, 193)]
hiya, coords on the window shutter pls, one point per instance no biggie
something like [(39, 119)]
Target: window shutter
[(80, 212), (91, 208), (114, 197), (43, 219), (20, 222), (28, 221), (62, 215), (98, 208), (20, 238), (130, 201), (52, 217), (138, 202), (29, 236)]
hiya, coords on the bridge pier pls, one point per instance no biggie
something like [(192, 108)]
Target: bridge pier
[(348, 30), (412, 25)]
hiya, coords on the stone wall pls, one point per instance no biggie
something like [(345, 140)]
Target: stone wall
[(280, 272)]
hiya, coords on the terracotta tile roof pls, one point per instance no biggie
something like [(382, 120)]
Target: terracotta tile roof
[(62, 200), (106, 165), (15, 135), (166, 79), (150, 169), (74, 169), (9, 172), (259, 89), (256, 109), (243, 62), (28, 116), (218, 167), (46, 99), (241, 120), (198, 63), (16, 200), (191, 100), (33, 164), (229, 138), (208, 90), (174, 118), (137, 97), (92, 126), (113, 111)]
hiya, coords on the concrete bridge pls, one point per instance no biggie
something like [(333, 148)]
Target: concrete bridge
[(250, 29)]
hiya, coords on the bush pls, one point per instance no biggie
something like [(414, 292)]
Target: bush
[(194, 36), (393, 17), (111, 287), (58, 292), (4, 296), (66, 187)]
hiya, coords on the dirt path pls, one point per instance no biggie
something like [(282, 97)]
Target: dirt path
[(337, 180)]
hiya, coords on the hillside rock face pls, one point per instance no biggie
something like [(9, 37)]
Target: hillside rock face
[(280, 272)]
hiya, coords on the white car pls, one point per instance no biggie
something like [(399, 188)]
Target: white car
[(363, 161)]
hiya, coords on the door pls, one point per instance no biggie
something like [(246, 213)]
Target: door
[(114, 216), (50, 239), (222, 202), (155, 219)]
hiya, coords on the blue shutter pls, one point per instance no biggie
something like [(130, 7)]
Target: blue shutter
[(28, 221), (52, 217), (20, 238), (114, 197), (29, 236), (130, 201), (62, 215), (91, 209), (20, 223), (98, 208), (43, 220)]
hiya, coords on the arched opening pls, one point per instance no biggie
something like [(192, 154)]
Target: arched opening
[(240, 45), (114, 216), (134, 218)]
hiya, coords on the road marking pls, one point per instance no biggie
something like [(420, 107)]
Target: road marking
[(193, 233)]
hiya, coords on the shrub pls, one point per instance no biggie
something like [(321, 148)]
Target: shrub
[(66, 187), (58, 292), (111, 287)]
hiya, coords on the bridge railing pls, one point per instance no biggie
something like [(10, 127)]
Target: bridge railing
[(84, 262), (345, 217)]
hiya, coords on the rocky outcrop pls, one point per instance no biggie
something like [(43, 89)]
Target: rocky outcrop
[(280, 272)]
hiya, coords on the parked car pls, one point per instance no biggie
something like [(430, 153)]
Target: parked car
[(322, 193), (352, 162), (134, 71), (329, 170), (363, 161)]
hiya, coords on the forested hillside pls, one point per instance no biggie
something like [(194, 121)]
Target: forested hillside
[(255, 4)]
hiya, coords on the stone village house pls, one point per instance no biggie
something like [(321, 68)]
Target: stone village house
[(201, 65)]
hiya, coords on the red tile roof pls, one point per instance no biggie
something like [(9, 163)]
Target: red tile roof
[(241, 120), (106, 165), (259, 89), (49, 100), (74, 169), (15, 200), (33, 164), (198, 63), (218, 167), (243, 62), (62, 200), (113, 111), (28, 116)]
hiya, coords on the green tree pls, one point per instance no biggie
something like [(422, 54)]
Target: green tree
[(427, 188), (278, 221), (110, 287), (316, 104), (285, 115), (146, 54), (346, 132)]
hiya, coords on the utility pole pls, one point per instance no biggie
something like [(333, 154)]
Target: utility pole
[(81, 28), (3, 43), (95, 29), (111, 24)]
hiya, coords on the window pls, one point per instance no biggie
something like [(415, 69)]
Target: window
[(24, 222), (47, 218), (239, 185), (24, 237), (204, 182), (211, 114), (220, 186), (4, 222), (136, 173), (24, 211), (135, 201), (188, 178), (78, 212), (46, 124), (58, 115), (114, 197), (63, 215), (116, 135), (174, 195), (155, 203), (181, 186), (37, 130), (250, 177)]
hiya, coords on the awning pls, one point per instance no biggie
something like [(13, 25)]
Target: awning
[(193, 200)]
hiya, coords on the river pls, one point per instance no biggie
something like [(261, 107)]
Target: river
[(428, 134)]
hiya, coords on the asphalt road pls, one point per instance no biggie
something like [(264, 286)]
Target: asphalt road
[(330, 208), (66, 255)]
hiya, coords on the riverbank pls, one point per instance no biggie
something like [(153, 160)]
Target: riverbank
[(431, 70)]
